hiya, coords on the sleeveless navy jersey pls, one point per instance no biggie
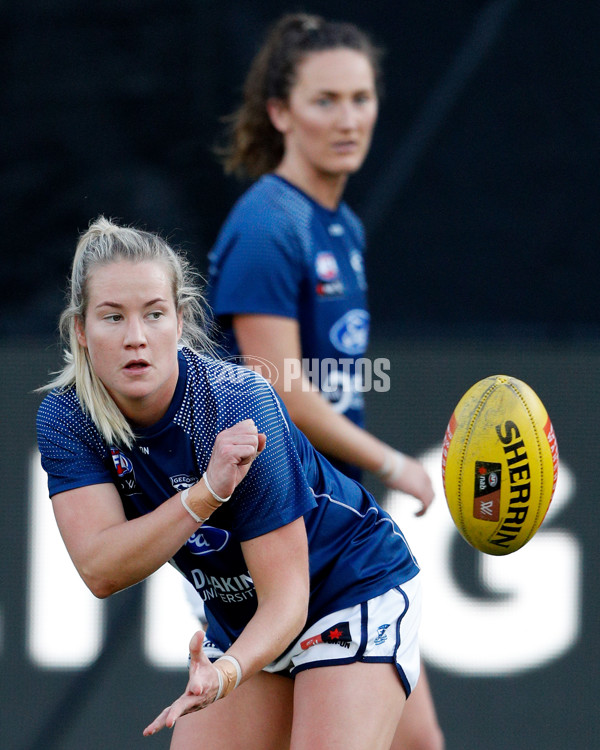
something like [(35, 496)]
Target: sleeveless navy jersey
[(281, 253), (356, 550)]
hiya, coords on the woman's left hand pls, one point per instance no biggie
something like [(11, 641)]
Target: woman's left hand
[(201, 690)]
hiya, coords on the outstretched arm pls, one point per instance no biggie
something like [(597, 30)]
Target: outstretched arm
[(112, 553), (278, 564), (277, 339)]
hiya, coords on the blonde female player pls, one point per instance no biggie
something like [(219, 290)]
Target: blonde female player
[(157, 453), (286, 272)]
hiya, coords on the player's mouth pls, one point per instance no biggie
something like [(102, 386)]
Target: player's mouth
[(345, 147), (136, 365)]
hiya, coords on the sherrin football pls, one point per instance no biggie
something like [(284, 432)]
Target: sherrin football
[(499, 464)]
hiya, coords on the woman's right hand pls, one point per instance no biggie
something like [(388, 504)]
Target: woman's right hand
[(234, 451), (408, 475)]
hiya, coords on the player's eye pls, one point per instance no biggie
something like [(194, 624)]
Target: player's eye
[(362, 98)]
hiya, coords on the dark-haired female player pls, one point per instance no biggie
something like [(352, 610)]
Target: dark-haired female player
[(287, 277)]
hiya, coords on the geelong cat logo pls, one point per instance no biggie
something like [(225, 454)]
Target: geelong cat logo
[(182, 482), (350, 333)]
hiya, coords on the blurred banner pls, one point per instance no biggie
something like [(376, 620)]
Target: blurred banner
[(511, 643)]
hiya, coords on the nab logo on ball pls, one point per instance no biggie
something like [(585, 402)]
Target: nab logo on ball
[(486, 504), (499, 464)]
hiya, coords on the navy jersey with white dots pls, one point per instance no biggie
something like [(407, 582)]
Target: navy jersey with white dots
[(281, 253), (356, 550)]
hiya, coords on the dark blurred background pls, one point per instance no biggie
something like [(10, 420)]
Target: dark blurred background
[(480, 199), (480, 193)]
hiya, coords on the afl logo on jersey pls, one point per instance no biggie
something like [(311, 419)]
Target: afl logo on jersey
[(326, 266), (122, 464), (350, 334), (207, 539)]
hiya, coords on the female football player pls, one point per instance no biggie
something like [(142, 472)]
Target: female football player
[(156, 452), (288, 286)]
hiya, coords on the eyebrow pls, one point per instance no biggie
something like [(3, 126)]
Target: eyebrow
[(118, 305), (337, 92)]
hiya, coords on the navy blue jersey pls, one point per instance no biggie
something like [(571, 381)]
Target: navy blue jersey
[(356, 550), (281, 253)]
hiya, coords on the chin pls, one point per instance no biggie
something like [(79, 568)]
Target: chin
[(348, 165)]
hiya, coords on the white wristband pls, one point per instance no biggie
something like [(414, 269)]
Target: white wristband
[(195, 516), (392, 467), (212, 492)]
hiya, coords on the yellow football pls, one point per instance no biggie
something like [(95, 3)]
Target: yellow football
[(499, 464)]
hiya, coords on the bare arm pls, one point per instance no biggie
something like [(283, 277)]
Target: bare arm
[(277, 339), (278, 564), (112, 553)]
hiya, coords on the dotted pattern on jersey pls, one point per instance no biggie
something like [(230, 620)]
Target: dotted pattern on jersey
[(73, 451), (273, 224), (353, 555), (354, 225), (219, 395), (299, 208)]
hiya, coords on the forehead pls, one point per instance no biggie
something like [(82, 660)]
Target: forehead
[(125, 278), (335, 69)]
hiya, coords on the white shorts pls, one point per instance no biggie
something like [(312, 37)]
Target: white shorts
[(381, 630)]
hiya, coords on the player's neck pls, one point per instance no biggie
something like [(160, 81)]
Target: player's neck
[(324, 188)]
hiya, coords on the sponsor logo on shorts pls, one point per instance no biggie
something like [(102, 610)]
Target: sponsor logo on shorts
[(338, 634), (486, 500)]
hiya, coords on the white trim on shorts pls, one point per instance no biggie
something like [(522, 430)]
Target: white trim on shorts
[(381, 630)]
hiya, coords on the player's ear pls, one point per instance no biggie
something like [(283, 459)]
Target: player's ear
[(80, 332), (179, 324), (278, 112)]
